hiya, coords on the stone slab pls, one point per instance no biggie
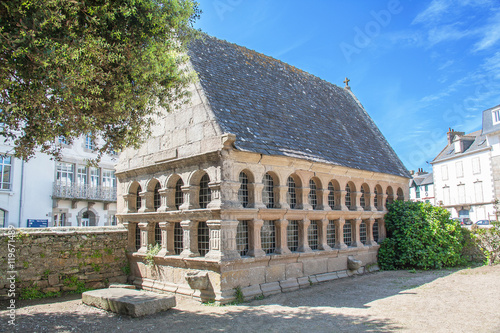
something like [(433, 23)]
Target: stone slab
[(135, 303)]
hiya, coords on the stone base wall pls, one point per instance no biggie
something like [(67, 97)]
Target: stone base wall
[(62, 259), (253, 276)]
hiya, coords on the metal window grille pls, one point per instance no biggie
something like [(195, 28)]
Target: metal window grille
[(203, 238), (243, 191), (137, 237), (242, 238), (178, 238), (331, 196), (268, 191), (375, 231), (362, 199), (156, 197), (291, 195), (313, 197), (348, 196), (179, 197), (330, 233), (293, 235), (375, 198), (362, 232), (268, 237), (312, 235), (347, 233), (138, 200), (205, 194), (157, 234), (401, 196)]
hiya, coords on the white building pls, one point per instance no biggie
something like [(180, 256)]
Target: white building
[(491, 129), (45, 192), (422, 187)]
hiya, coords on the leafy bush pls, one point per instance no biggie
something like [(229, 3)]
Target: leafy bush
[(488, 240), (420, 236)]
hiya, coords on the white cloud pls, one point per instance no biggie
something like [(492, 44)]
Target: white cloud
[(490, 33), (431, 13)]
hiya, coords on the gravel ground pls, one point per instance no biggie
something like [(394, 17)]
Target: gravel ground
[(466, 300)]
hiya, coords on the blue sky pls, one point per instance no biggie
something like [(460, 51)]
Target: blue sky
[(418, 67)]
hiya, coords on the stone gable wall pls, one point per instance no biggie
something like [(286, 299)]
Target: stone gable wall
[(62, 259)]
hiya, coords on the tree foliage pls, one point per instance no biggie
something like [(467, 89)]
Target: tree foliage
[(488, 240), (98, 67), (420, 236)]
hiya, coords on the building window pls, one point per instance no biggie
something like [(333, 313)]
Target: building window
[(446, 195), (291, 194), (496, 116), (60, 220), (362, 232), (157, 234), (65, 173), (178, 238), (138, 199), (112, 219), (476, 165), (461, 194), (330, 234), (205, 194), (459, 169), (348, 196), (108, 178), (375, 198), (313, 195), (242, 238), (156, 197), (89, 143), (94, 177), (331, 195), (3, 218), (312, 235), (293, 235), (243, 191), (5, 172), (362, 198), (375, 231), (268, 237), (347, 233), (478, 191), (62, 140), (268, 191), (81, 175), (203, 238), (417, 191), (137, 237), (444, 172), (179, 197), (400, 194)]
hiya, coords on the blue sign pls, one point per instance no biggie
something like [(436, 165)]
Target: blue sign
[(38, 223)]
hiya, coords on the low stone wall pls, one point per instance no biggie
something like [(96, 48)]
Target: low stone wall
[(51, 260)]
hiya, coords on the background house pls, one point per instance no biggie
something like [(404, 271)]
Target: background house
[(422, 186)]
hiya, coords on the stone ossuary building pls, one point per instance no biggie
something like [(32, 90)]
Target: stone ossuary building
[(268, 181)]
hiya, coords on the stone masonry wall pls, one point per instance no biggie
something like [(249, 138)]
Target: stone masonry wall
[(52, 260)]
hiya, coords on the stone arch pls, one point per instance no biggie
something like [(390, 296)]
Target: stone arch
[(390, 195), (270, 191), (294, 191), (195, 177), (350, 196), (378, 195), (132, 187), (400, 194), (88, 216), (246, 189), (365, 196), (334, 194), (151, 183), (314, 196)]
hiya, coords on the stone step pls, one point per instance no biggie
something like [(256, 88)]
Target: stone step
[(135, 303)]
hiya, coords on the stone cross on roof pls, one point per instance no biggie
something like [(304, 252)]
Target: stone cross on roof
[(346, 81)]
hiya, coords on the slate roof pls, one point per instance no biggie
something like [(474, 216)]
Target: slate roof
[(276, 109), (425, 179), (477, 142)]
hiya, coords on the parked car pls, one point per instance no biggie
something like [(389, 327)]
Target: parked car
[(483, 222), (463, 220)]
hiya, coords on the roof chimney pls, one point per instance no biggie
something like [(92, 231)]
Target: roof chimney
[(451, 135)]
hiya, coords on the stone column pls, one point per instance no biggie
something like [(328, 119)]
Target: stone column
[(339, 234), (369, 232), (281, 237), (129, 203), (357, 201), (254, 240), (303, 240), (341, 204), (384, 201), (216, 201), (229, 195), (322, 226), (147, 236), (190, 239), (167, 238), (167, 196), (130, 235), (146, 202), (190, 194), (373, 207), (323, 199), (355, 232), (283, 203), (257, 191), (382, 232), (303, 202), (222, 240)]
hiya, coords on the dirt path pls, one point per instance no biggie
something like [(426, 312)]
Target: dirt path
[(466, 300)]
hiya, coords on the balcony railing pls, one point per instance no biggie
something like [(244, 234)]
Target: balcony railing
[(84, 192)]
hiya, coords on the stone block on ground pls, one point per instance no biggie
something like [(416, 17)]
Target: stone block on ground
[(135, 303)]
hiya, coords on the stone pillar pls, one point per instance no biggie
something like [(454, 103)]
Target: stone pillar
[(341, 204), (281, 237), (339, 234), (130, 235), (355, 232), (147, 236), (129, 203), (303, 201), (357, 201), (373, 207), (384, 201), (323, 199), (229, 195), (303, 240), (222, 240), (322, 226), (254, 240), (369, 232), (167, 196), (216, 201), (167, 238), (190, 239), (283, 203), (257, 191), (382, 232), (146, 202), (190, 194)]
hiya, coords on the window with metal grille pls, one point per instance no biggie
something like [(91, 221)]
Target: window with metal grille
[(268, 191), (179, 197), (205, 194), (313, 196), (242, 238), (137, 237), (203, 238), (347, 233), (362, 232), (157, 234), (375, 231), (243, 191), (268, 237), (138, 199), (401, 196), (291, 195), (375, 198), (362, 199), (331, 196), (348, 196), (330, 233), (293, 235), (178, 238), (156, 197), (312, 235)]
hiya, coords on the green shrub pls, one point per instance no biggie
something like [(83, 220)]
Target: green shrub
[(420, 236), (488, 240)]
